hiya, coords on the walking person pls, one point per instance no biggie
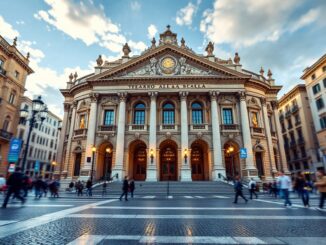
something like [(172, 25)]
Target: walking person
[(104, 188), (132, 187), (303, 189), (252, 188), (125, 187), (15, 183), (238, 190), (285, 186), (79, 188), (89, 188), (39, 185), (321, 185)]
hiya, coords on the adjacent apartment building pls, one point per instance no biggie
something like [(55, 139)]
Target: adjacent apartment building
[(14, 69), (42, 152), (315, 78), (298, 131)]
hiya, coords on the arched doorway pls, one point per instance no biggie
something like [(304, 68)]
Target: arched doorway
[(231, 159), (137, 160), (77, 162), (259, 163), (198, 160), (168, 161), (105, 157)]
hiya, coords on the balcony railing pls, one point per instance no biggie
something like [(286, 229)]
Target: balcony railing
[(107, 128), (229, 127), (5, 134), (295, 108), (194, 127), (257, 130), (80, 132), (137, 127), (164, 127)]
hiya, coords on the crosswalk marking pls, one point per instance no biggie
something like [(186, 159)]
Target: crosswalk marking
[(97, 239), (5, 222), (41, 205), (221, 197), (199, 197), (184, 208), (191, 216), (148, 197), (170, 197), (189, 197)]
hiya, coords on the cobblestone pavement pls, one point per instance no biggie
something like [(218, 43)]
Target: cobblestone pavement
[(175, 220)]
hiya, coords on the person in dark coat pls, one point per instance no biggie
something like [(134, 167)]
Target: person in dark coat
[(125, 187), (89, 188), (238, 190), (132, 187), (15, 183), (39, 187)]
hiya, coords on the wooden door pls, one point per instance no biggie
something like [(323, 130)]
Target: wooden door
[(140, 158), (168, 164), (197, 163)]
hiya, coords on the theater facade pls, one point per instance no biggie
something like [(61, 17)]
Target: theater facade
[(170, 114)]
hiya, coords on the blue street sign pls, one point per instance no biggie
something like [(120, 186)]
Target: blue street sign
[(14, 149), (243, 153), (37, 166)]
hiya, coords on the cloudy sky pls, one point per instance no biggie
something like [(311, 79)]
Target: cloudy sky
[(67, 36)]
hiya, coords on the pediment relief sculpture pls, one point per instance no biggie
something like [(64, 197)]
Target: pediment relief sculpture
[(110, 101)]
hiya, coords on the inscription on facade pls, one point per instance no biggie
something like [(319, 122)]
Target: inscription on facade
[(166, 86)]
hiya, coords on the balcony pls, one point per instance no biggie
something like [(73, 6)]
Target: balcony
[(301, 141), (80, 132), (229, 127), (5, 135), (137, 127), (295, 108), (288, 114), (107, 128), (198, 127), (3, 72), (257, 130), (168, 127)]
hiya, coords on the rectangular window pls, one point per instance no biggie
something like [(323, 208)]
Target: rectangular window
[(316, 88), (168, 117), (227, 116), (108, 117), (197, 116), (11, 98), (1, 63), (289, 123), (139, 118), (324, 82), (16, 74), (320, 103), (323, 122)]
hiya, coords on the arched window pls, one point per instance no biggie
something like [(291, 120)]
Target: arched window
[(168, 113), (197, 113), (139, 114)]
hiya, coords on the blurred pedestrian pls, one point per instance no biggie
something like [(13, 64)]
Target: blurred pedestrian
[(79, 188), (38, 187), (15, 183), (238, 190), (89, 188), (3, 185), (71, 186), (274, 189), (132, 187), (104, 188), (252, 188), (125, 187), (285, 186), (321, 185)]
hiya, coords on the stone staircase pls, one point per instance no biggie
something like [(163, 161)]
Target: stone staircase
[(172, 188)]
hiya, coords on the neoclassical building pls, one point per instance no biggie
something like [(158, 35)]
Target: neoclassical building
[(170, 114)]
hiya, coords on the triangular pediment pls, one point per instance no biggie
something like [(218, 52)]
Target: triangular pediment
[(169, 61)]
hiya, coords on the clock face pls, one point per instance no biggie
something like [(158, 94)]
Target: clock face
[(168, 63)]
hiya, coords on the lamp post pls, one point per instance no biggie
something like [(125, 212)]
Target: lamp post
[(230, 150), (39, 113), (186, 155), (152, 156), (93, 156), (52, 168), (108, 151)]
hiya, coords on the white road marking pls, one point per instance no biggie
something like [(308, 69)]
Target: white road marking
[(148, 197), (249, 240), (182, 208), (41, 205), (14, 228), (221, 196), (189, 197), (282, 203), (170, 197), (87, 239), (186, 216), (5, 222), (199, 197)]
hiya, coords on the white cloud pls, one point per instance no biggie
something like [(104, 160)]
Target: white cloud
[(135, 5), (258, 21), (20, 22), (136, 47), (152, 30), (6, 30), (186, 14)]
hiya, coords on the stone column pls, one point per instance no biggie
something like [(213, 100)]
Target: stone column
[(280, 141), (151, 174), (60, 159), (70, 136), (90, 142), (218, 168), (268, 136), (118, 168), (185, 167), (246, 137)]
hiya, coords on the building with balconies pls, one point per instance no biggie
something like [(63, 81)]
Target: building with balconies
[(315, 80), (170, 114), (14, 70), (298, 131)]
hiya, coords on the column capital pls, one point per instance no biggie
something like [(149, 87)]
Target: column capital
[(242, 95), (263, 101), (94, 97), (122, 96), (74, 104), (153, 94), (274, 104), (66, 106), (214, 94), (183, 95)]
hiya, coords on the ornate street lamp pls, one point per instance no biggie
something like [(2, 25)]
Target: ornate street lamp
[(93, 156), (152, 155), (108, 151), (186, 155), (39, 113)]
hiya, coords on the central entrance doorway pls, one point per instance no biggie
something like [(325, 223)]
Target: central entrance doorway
[(199, 168), (138, 160), (168, 161)]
